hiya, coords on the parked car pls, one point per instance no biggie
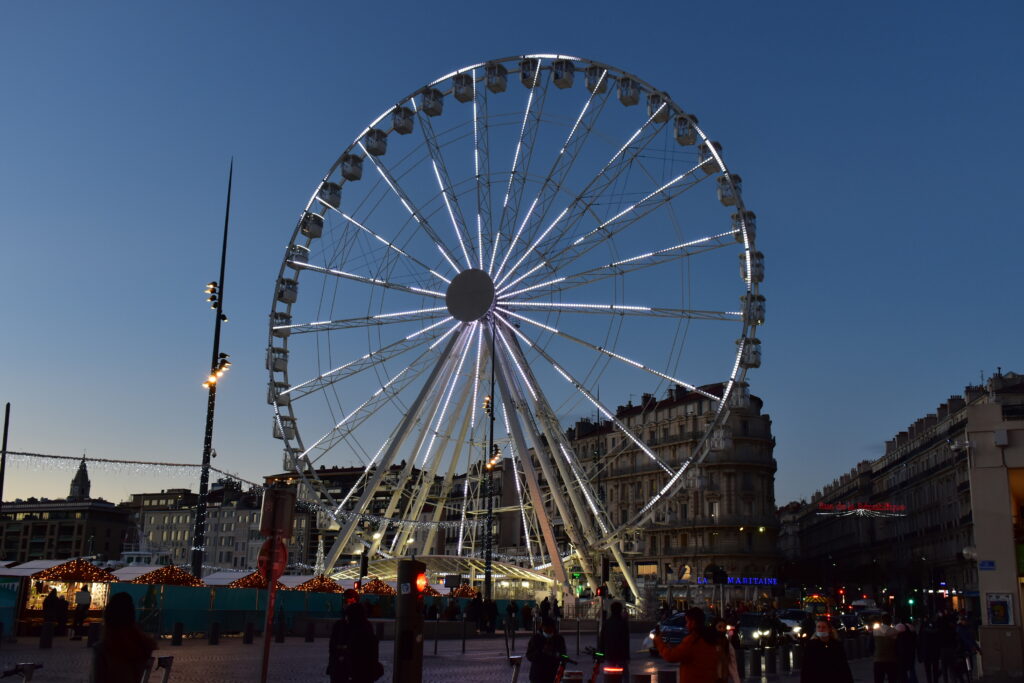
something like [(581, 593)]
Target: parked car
[(761, 630), (673, 630)]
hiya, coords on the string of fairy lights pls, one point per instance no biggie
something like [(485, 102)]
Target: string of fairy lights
[(156, 468)]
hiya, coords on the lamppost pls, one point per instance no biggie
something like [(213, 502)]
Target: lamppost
[(218, 366)]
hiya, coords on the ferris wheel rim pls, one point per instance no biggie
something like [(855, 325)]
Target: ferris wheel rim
[(738, 373)]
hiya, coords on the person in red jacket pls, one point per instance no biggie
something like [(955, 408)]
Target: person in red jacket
[(698, 654)]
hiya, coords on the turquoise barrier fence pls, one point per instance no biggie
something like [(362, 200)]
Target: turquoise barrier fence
[(159, 608)]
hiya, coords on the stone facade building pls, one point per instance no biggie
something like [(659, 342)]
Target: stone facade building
[(725, 514)]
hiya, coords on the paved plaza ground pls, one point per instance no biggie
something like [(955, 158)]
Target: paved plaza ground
[(295, 660)]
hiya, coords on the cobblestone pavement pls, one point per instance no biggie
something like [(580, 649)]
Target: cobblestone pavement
[(295, 660)]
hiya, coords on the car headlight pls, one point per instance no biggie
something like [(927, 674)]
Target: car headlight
[(758, 634), (651, 634), (797, 629), (875, 625)]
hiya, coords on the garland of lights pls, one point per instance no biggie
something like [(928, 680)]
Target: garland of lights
[(75, 571), (861, 512), (255, 580), (320, 584), (377, 587), (170, 576), (153, 467)]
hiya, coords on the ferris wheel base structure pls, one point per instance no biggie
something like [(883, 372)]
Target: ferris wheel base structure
[(474, 266)]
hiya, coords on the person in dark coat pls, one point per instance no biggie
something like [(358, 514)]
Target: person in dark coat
[(825, 658), (50, 605), (545, 651), (475, 612), (928, 650), (490, 615), (123, 650), (614, 640), (337, 648), (527, 613), (906, 651), (545, 608), (362, 656), (512, 615)]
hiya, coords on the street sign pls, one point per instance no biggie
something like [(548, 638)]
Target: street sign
[(280, 559), (987, 565)]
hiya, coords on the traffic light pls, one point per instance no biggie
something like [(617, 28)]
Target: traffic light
[(357, 585), (842, 591), (910, 601), (602, 591), (421, 584)]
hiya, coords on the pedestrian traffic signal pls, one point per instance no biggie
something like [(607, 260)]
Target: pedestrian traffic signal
[(602, 591), (910, 601), (421, 584)]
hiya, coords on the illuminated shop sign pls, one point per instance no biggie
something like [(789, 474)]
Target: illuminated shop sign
[(745, 581)]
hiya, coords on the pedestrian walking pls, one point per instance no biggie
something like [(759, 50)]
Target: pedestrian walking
[(698, 654), (545, 651), (614, 639), (825, 658), (512, 614), (123, 651), (886, 664), (337, 648), (83, 600), (906, 651), (361, 660), (928, 650), (728, 672)]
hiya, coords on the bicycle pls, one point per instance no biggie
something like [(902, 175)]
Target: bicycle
[(562, 661)]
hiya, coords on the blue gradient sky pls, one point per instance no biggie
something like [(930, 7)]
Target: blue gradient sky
[(879, 145)]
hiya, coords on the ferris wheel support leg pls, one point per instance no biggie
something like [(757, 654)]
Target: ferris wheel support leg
[(449, 477), (450, 361), (404, 428), (427, 479), (530, 475), (554, 436)]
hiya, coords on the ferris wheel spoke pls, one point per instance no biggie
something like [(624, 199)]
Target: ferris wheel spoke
[(619, 162), (481, 167), (612, 354), (376, 282), (341, 431), (444, 183), (419, 315), (416, 214), (564, 161), (392, 247), (521, 159), (620, 267), (609, 415), (368, 360), (622, 309)]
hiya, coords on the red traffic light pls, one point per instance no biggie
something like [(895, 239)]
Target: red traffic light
[(357, 585), (842, 591), (421, 583), (601, 591)]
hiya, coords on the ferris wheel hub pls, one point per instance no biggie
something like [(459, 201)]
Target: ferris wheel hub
[(470, 295)]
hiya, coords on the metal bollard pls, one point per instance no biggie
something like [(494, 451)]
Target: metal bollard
[(279, 630), (249, 634), (310, 631), (786, 654), (46, 635), (92, 634), (771, 662), (463, 634), (755, 663), (741, 662), (176, 634), (798, 657), (214, 634), (577, 634)]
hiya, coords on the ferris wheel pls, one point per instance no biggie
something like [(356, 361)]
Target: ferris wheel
[(517, 238)]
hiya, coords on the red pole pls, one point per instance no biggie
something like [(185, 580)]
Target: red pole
[(271, 594)]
